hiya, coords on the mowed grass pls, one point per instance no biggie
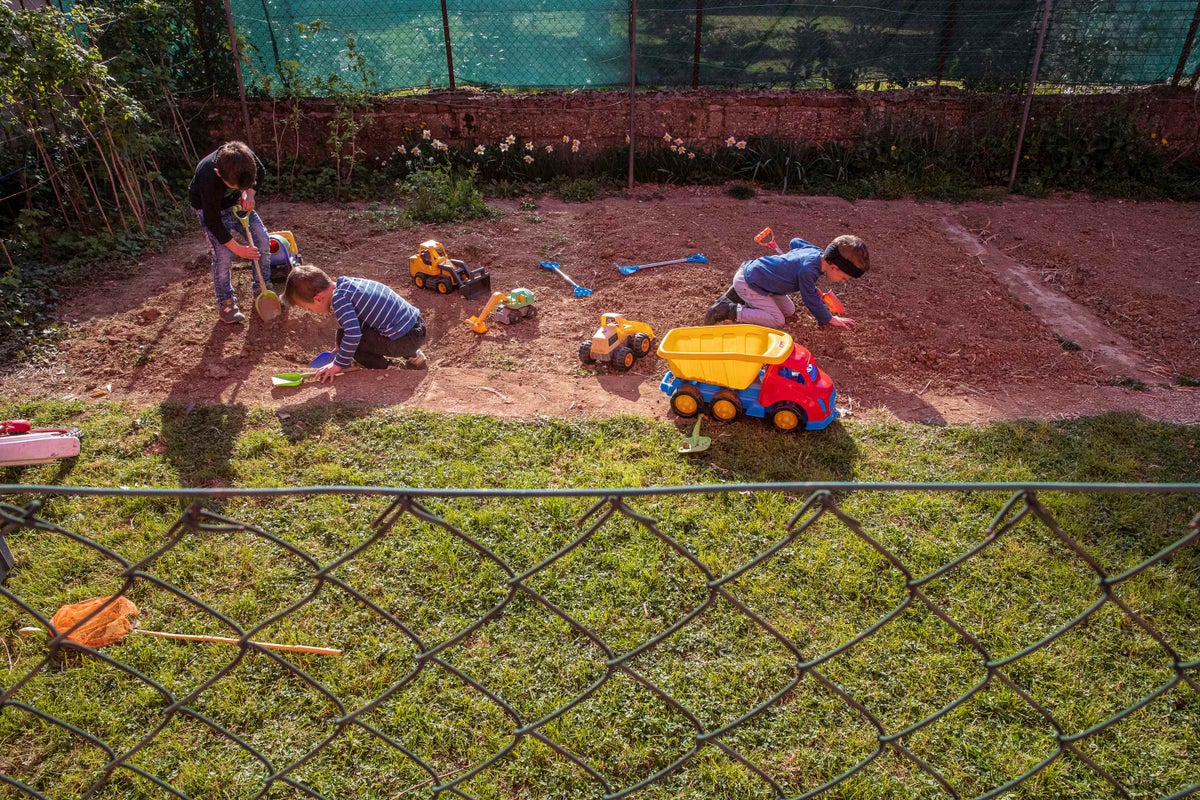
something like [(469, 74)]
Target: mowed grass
[(620, 648)]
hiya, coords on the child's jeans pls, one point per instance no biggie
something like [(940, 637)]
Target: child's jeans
[(374, 347), (222, 257), (768, 310)]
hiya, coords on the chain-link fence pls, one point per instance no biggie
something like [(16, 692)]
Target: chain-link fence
[(609, 643), (978, 44)]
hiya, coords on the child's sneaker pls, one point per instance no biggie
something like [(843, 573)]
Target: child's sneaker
[(417, 361), (228, 311)]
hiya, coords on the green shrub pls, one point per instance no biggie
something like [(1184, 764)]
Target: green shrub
[(435, 195)]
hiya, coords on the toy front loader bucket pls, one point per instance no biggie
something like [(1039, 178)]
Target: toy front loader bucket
[(478, 285)]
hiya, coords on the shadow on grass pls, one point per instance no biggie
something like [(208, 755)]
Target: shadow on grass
[(752, 451)]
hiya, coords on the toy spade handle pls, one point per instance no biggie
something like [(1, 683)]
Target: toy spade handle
[(765, 237)]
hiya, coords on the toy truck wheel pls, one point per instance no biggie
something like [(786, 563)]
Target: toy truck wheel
[(686, 401), (622, 357), (529, 312), (725, 406), (419, 280), (640, 343), (585, 353), (442, 285), (788, 417)]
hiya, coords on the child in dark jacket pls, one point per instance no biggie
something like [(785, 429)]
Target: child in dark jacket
[(224, 179)]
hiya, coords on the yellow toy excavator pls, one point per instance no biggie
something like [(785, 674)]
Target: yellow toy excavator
[(510, 308)]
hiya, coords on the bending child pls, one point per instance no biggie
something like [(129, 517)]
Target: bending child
[(760, 290), (374, 323), (228, 177)]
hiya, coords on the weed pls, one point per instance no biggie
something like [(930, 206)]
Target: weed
[(741, 191), (1067, 344), (434, 195), (1132, 383), (1187, 380)]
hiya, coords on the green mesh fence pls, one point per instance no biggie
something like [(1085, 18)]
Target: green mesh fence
[(979, 44), (609, 643)]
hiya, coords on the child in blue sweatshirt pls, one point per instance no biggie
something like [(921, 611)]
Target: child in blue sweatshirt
[(759, 295)]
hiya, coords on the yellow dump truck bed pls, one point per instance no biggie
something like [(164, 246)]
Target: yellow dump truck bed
[(726, 355)]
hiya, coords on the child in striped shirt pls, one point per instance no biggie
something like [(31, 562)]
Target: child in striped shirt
[(374, 323)]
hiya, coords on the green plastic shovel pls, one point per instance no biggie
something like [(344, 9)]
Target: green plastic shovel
[(695, 443), (297, 378)]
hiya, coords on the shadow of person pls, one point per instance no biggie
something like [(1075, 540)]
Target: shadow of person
[(201, 426)]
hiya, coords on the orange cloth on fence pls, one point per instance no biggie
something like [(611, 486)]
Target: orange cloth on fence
[(108, 626)]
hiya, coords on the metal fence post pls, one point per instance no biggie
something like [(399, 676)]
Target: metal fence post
[(947, 35), (696, 48), (1033, 74), (449, 51), (632, 81), (237, 66), (1188, 41)]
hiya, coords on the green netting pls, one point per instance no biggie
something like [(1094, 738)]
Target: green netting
[(979, 44)]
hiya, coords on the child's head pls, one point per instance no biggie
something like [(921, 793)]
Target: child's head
[(303, 285), (846, 257), (236, 165)]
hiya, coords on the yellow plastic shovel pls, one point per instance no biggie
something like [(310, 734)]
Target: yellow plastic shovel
[(267, 302)]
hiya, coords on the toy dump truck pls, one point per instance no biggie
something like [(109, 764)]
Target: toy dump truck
[(431, 268), (618, 341), (732, 370)]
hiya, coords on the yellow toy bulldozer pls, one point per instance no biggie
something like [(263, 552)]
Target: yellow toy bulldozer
[(618, 341), (431, 268)]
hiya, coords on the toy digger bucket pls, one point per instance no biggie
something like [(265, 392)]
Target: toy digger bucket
[(479, 285)]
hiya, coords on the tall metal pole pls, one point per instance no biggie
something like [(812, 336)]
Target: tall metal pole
[(446, 36), (632, 82), (237, 66), (1033, 75), (1187, 47), (696, 46)]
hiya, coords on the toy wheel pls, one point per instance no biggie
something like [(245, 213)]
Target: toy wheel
[(788, 417), (640, 344), (529, 312), (419, 280), (622, 357), (725, 406), (585, 353), (686, 401), (442, 285)]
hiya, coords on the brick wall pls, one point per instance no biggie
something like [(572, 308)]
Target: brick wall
[(702, 118)]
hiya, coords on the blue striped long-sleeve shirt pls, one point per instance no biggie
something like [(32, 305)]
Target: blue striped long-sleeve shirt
[(362, 303)]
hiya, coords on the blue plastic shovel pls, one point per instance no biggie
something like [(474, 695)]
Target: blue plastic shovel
[(629, 270), (553, 266)]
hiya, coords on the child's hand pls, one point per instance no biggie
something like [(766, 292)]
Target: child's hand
[(247, 200), (325, 374), (841, 322), (243, 250)]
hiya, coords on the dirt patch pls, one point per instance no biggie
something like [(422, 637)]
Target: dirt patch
[(971, 313)]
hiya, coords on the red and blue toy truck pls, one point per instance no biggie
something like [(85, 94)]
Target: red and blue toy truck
[(732, 370)]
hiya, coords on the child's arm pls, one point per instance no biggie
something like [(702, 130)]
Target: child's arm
[(247, 200)]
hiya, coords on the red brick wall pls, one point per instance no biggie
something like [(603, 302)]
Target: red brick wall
[(703, 118)]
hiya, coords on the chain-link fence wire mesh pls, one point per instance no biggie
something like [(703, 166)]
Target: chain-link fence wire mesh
[(978, 44), (610, 643)]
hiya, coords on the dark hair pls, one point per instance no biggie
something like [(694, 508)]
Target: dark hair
[(237, 165), (849, 254), (304, 283)]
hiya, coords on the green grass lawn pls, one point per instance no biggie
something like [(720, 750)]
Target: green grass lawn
[(801, 627)]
